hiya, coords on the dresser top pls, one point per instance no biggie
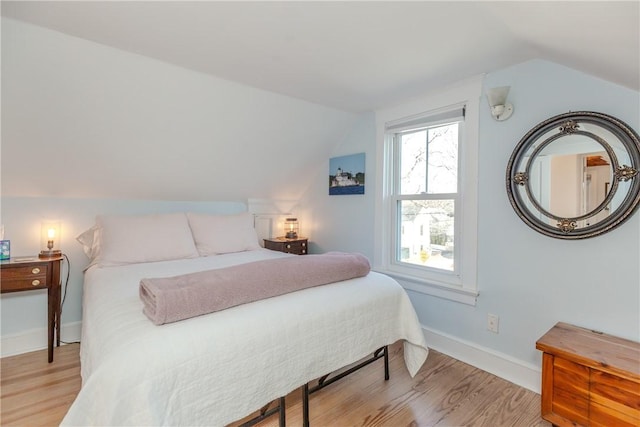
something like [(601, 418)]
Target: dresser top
[(593, 349), (26, 260), (285, 239)]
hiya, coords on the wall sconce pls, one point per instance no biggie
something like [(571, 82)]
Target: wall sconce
[(50, 240), (291, 228), (500, 108)]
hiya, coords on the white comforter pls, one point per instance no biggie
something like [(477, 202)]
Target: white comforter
[(215, 369)]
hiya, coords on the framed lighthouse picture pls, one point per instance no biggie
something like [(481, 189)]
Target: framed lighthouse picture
[(346, 174)]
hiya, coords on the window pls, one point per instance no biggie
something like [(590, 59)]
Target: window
[(427, 208), (425, 191)]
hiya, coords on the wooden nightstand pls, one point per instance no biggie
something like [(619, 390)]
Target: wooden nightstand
[(18, 276), (291, 246), (589, 378)]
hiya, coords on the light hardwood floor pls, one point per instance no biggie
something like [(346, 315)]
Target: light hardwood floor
[(445, 392)]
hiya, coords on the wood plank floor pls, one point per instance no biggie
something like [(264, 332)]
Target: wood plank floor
[(445, 392), (34, 392)]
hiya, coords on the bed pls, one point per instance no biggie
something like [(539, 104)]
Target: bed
[(217, 368)]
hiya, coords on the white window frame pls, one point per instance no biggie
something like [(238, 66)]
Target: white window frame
[(461, 285)]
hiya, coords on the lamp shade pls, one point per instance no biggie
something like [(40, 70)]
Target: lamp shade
[(498, 95), (291, 228)]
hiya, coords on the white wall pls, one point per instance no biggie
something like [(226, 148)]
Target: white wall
[(529, 280), (80, 119), (344, 222), (566, 191)]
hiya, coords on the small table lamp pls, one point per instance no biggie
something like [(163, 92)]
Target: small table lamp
[(50, 236), (291, 228)]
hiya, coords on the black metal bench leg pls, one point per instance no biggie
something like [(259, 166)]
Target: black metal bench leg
[(265, 413), (323, 382), (386, 363), (283, 416), (305, 405)]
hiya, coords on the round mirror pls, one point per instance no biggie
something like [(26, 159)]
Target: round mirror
[(575, 175)]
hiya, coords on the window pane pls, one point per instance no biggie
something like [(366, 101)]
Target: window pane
[(443, 159), (429, 160), (426, 233), (413, 162)]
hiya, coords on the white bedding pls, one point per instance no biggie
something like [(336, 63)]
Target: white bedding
[(217, 368)]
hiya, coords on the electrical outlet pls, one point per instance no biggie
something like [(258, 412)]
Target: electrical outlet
[(492, 323)]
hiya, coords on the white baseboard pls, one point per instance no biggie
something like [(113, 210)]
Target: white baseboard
[(36, 339), (502, 365)]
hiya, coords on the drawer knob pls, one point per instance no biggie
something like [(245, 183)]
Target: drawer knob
[(304, 252), (35, 270), (35, 282), (288, 246), (304, 244)]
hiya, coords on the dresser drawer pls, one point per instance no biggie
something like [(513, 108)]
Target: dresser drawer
[(617, 394), (24, 278), (571, 377), (603, 416)]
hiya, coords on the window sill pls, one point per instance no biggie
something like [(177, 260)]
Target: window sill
[(464, 296)]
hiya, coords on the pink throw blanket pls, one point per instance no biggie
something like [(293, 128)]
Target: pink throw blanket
[(176, 298)]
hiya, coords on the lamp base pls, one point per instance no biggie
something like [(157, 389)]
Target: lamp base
[(49, 254), (291, 235), (506, 113)]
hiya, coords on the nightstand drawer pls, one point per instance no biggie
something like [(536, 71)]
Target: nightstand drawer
[(24, 278), (289, 246), (295, 247)]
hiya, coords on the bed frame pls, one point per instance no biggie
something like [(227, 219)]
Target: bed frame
[(265, 412), (323, 382)]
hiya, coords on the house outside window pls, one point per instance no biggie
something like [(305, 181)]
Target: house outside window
[(427, 206)]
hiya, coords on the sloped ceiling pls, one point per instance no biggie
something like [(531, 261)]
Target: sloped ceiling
[(356, 56)]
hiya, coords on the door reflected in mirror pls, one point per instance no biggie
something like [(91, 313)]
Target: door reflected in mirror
[(576, 184), (596, 183)]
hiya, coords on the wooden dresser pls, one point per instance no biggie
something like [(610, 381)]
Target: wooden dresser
[(20, 276), (589, 378)]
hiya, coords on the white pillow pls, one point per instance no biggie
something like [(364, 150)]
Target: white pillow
[(221, 234), (120, 240)]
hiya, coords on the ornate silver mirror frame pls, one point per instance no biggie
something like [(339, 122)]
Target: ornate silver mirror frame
[(582, 137)]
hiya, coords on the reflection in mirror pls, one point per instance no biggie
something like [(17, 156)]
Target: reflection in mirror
[(573, 176), (596, 184)]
